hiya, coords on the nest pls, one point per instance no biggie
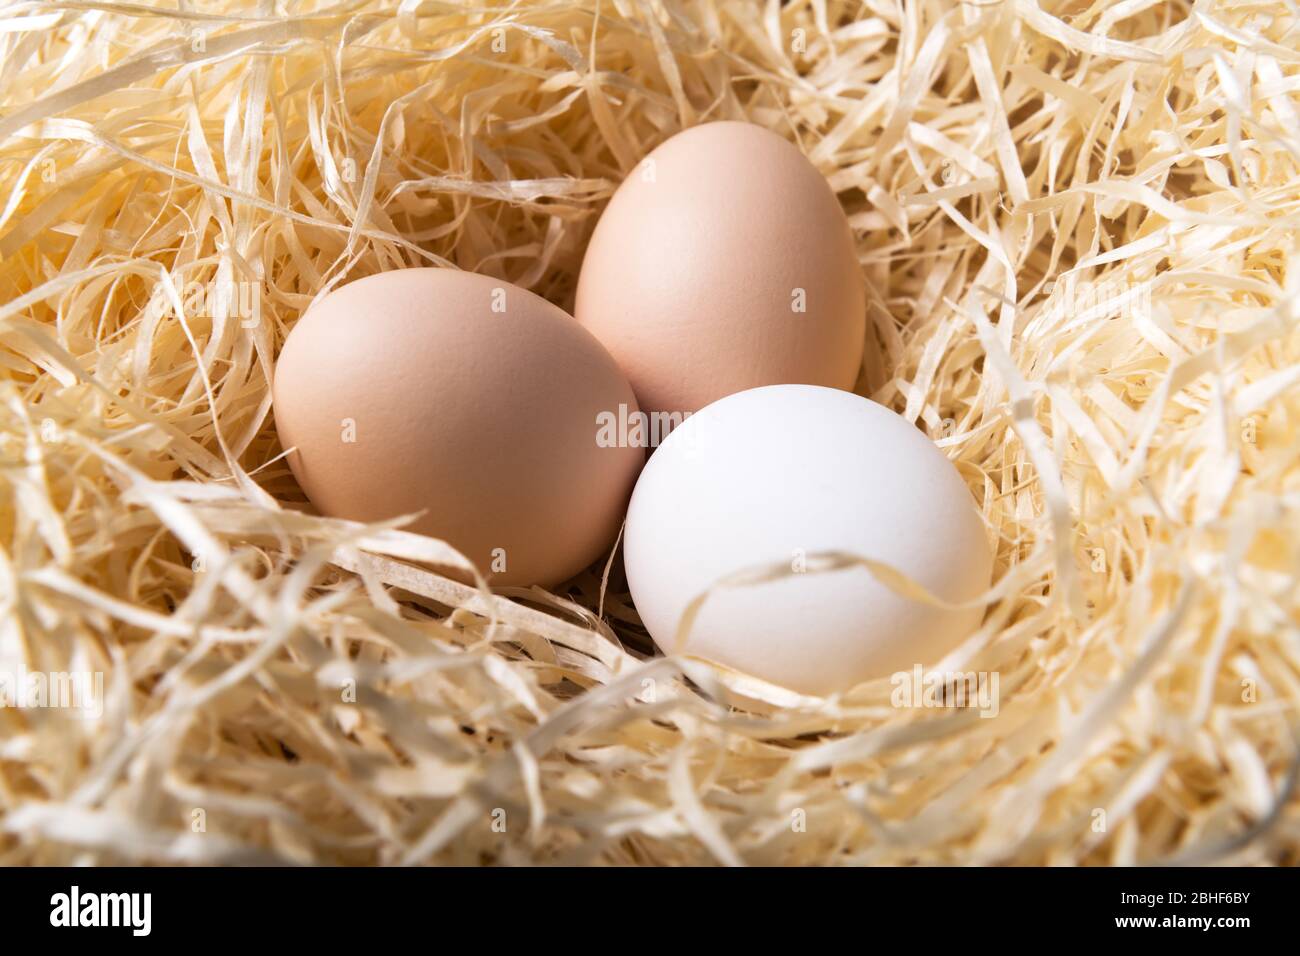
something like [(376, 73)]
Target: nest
[(1079, 226)]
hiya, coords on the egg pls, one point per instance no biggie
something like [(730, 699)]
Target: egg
[(724, 262), (773, 477), (468, 400)]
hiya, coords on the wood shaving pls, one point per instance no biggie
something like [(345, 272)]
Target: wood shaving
[(1077, 222)]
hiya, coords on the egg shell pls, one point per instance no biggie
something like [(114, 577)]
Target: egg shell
[(724, 262), (465, 398), (777, 476)]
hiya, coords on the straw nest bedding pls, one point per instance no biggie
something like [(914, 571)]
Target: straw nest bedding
[(1079, 226)]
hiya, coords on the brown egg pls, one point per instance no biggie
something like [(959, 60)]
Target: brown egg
[(467, 399), (724, 262)]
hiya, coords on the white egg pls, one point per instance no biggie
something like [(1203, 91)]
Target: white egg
[(776, 476)]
